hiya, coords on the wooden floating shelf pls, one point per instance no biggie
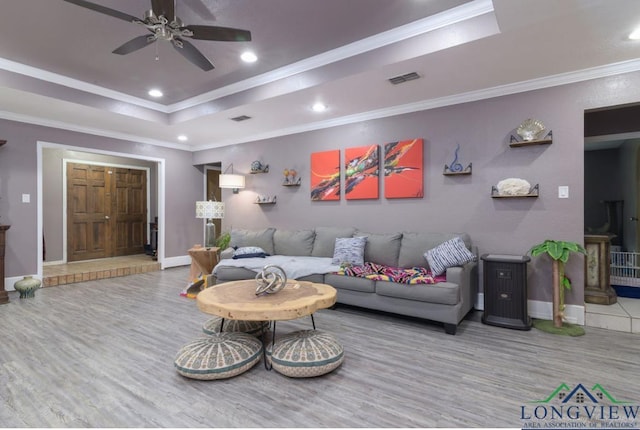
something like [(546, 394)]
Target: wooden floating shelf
[(291, 185), (2, 142), (265, 170), (533, 192), (264, 203), (519, 144), (514, 142), (466, 171)]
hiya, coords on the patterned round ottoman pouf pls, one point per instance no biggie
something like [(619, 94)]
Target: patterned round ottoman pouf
[(255, 328), (306, 353), (222, 355)]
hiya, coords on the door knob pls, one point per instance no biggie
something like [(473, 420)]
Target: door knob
[(633, 218), (106, 217)]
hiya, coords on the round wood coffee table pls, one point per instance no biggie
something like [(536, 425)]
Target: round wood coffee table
[(237, 300)]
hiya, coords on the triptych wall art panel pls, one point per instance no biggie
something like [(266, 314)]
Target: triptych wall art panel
[(325, 175), (403, 172), (361, 167)]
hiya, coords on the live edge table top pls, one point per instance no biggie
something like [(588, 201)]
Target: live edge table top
[(237, 300)]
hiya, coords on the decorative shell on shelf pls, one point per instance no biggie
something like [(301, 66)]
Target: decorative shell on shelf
[(530, 129), (513, 187)]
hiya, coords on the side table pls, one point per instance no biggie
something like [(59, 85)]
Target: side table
[(203, 260)]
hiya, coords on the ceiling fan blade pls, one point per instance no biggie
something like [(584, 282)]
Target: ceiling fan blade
[(223, 34), (107, 11), (164, 7), (192, 54), (134, 44)]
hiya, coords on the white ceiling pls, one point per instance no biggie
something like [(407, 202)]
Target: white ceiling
[(56, 65)]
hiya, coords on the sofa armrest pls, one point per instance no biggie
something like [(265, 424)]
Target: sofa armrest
[(466, 278), (226, 253)]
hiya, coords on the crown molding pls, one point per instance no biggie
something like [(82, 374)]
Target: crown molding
[(488, 93), (88, 130)]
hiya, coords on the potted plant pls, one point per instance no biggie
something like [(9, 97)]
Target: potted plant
[(559, 252), (223, 241)]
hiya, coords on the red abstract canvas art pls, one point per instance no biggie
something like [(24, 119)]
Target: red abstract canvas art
[(403, 169), (361, 168), (325, 175)]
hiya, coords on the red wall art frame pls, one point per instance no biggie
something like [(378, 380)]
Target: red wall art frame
[(325, 175), (361, 167), (403, 169)]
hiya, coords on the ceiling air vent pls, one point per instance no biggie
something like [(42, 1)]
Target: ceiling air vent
[(404, 78), (241, 118)]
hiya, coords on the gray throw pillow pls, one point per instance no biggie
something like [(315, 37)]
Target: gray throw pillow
[(448, 254), (349, 251)]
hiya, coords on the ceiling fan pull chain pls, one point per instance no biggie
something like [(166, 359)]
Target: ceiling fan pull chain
[(157, 54)]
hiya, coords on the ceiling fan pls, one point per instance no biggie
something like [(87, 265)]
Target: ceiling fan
[(163, 24)]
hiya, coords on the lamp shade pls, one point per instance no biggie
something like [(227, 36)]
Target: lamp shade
[(231, 181), (210, 210)]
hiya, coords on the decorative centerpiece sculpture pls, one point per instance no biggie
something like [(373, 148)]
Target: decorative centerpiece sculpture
[(270, 280)]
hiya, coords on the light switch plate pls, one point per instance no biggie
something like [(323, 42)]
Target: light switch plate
[(563, 192), (26, 198)]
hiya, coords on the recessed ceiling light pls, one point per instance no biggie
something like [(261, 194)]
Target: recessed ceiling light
[(319, 107), (635, 34), (155, 93), (249, 57), (183, 138)]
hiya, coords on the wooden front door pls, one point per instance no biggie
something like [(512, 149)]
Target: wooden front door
[(106, 211)]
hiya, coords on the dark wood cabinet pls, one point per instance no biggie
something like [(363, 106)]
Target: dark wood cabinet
[(4, 297)]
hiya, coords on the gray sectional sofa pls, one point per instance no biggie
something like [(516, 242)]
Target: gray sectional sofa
[(446, 302)]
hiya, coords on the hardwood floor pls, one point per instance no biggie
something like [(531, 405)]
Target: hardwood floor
[(100, 354)]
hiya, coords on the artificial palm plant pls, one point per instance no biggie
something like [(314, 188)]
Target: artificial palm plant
[(559, 252)]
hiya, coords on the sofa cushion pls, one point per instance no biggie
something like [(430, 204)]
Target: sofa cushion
[(414, 245), (445, 293), (350, 283), (294, 243), (448, 254), (262, 238), (325, 240), (381, 248), (349, 251), (249, 252)]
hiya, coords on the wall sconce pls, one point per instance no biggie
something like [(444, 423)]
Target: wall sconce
[(210, 210), (229, 180)]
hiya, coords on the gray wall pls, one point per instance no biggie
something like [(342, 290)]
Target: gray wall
[(451, 203), (18, 175), (52, 191)]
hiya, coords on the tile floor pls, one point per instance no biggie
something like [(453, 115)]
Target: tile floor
[(60, 274), (621, 316)]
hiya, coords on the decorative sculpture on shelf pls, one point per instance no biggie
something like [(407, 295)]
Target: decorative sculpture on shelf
[(270, 280), (290, 177), (513, 187), (455, 168), (258, 167)]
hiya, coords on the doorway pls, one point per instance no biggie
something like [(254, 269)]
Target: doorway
[(106, 211), (213, 192)]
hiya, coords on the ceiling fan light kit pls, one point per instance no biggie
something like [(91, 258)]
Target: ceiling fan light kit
[(162, 23)]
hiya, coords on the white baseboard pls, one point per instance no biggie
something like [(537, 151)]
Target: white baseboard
[(574, 314), (52, 263), (181, 260)]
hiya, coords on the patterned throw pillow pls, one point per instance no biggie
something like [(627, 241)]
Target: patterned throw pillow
[(349, 251), (448, 254), (249, 252)]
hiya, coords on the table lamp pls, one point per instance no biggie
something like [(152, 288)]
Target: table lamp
[(210, 210)]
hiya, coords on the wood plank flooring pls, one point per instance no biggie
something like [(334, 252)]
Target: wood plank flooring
[(100, 354)]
